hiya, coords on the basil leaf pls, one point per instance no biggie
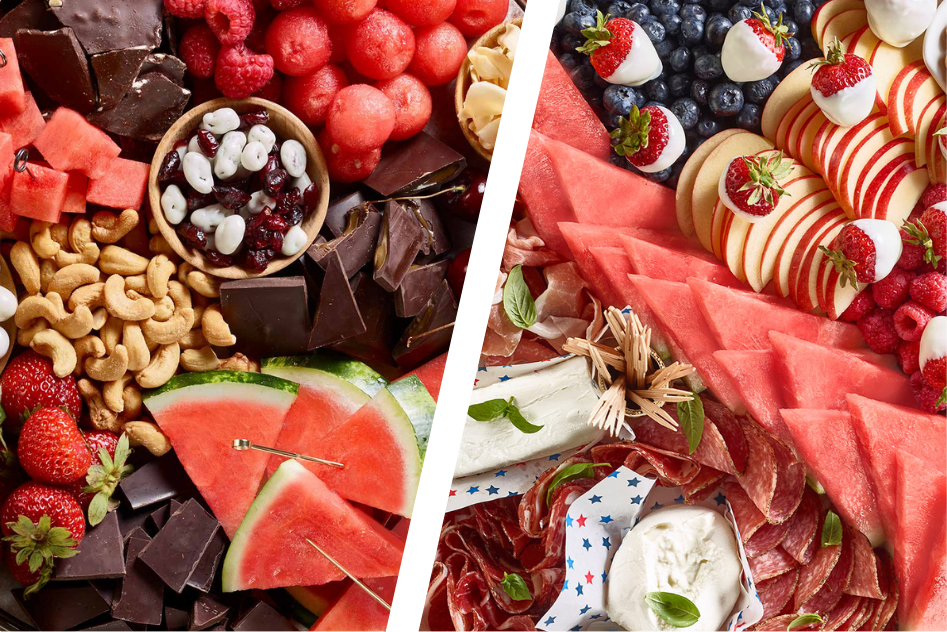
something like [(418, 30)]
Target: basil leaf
[(517, 301), (676, 610), (691, 416), (515, 586), (488, 410), (519, 421), (804, 620), (571, 473), (831, 530)]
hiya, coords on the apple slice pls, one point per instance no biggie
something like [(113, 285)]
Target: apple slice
[(806, 292), (925, 91), (806, 141), (822, 138), (790, 254), (926, 126), (887, 62), (899, 195), (863, 44), (895, 149), (848, 140), (837, 298), (828, 11), (843, 25), (796, 125), (901, 96), (790, 90), (685, 182), (767, 250), (931, 148), (869, 149)]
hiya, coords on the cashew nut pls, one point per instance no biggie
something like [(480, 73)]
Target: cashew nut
[(160, 246), (147, 435), (121, 306), (26, 263), (88, 347), (47, 270), (171, 330), (33, 307), (58, 348), (164, 308), (193, 339), (203, 283), (103, 418), (68, 279), (158, 274), (92, 296), (112, 392), (239, 362), (109, 228), (77, 324), (164, 364), (99, 317), (136, 283), (118, 260), (215, 328), (198, 315), (111, 333), (110, 367), (153, 226), (131, 399), (184, 268), (60, 234), (179, 294), (42, 241), (138, 353), (199, 360), (84, 248), (25, 336)]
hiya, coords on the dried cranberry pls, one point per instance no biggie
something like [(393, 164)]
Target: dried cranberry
[(311, 197), (287, 201), (256, 260), (256, 221), (274, 240), (207, 142), (272, 164), (170, 167), (193, 236), (274, 182), (197, 200), (276, 222), (295, 216), (275, 149), (231, 197), (218, 258), (254, 118)]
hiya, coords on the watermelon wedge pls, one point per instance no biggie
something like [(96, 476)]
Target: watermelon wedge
[(827, 443), (540, 189), (668, 264), (753, 375), (332, 387), (580, 239), (356, 610), (430, 374), (270, 550), (318, 599), (929, 611), (202, 414), (814, 376), (612, 263)]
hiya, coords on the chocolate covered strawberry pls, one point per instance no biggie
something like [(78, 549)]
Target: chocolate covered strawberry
[(51, 448), (621, 51), (843, 86), (750, 185), (650, 138), (754, 49), (930, 233), (865, 251)]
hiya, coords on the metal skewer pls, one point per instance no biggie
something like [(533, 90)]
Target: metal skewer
[(246, 444), (371, 593)]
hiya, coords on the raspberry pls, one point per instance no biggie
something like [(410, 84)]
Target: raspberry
[(864, 302), (912, 255), (934, 194), (185, 8), (910, 320), (240, 72), (935, 372), (908, 356), (230, 20), (199, 49), (930, 290), (892, 291), (878, 331), (925, 394)]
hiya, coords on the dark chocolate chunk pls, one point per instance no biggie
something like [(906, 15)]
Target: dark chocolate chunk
[(155, 482), (177, 549), (129, 520), (417, 287), (207, 612), (399, 242), (103, 25), (142, 595), (101, 554), (203, 576), (269, 316), (337, 317), (175, 619), (116, 625), (62, 607), (378, 313), (416, 165), (262, 617), (159, 517), (29, 14), (337, 216), (168, 65), (436, 239), (114, 73), (430, 331), (147, 110), (56, 62), (357, 243)]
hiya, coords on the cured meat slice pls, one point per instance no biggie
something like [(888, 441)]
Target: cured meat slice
[(759, 480), (703, 486), (804, 528), (847, 606), (488, 564), (749, 519), (731, 431), (865, 580), (673, 469), (533, 509), (790, 482), (775, 593), (780, 623), (888, 607), (861, 615), (772, 564), (554, 537), (816, 573), (767, 538), (831, 591)]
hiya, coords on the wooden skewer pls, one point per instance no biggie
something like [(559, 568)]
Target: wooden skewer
[(371, 593), (246, 444)]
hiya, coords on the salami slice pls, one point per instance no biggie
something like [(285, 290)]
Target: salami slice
[(671, 469), (747, 516), (775, 593), (703, 486), (759, 480), (730, 430), (803, 528), (842, 612), (831, 591), (865, 580), (766, 538), (790, 482), (858, 618), (815, 573), (532, 509), (888, 607), (772, 564), (554, 536), (780, 623)]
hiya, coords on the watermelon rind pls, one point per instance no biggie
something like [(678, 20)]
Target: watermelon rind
[(418, 405), (347, 374), (187, 380)]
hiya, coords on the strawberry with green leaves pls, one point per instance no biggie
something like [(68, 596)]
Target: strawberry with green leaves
[(28, 382), (52, 449), (621, 51), (843, 86), (865, 251), (94, 491), (930, 233), (750, 185), (651, 138), (754, 48)]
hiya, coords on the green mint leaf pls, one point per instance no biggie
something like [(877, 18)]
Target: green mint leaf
[(804, 620), (832, 529), (676, 610), (488, 410), (571, 473), (691, 416), (517, 301), (515, 586), (519, 421)]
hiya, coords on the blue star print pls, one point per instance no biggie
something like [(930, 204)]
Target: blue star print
[(549, 621), (586, 544), (565, 585), (606, 543), (656, 506), (493, 490), (604, 575), (636, 500), (613, 474), (595, 499), (679, 499), (576, 628), (720, 498), (504, 378), (482, 368), (633, 482), (554, 457), (585, 609), (568, 520), (473, 490), (501, 473), (578, 590), (512, 494), (605, 519), (570, 562)]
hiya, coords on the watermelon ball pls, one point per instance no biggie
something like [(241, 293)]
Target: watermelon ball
[(439, 53), (476, 17), (345, 11), (412, 103), (298, 41), (426, 13), (361, 118), (381, 46), (309, 97), (346, 166)]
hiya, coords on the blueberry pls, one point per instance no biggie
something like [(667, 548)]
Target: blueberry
[(708, 67), (656, 90), (770, 14), (618, 161), (791, 25), (575, 23), (720, 5), (778, 9), (810, 49), (693, 11), (699, 91), (654, 29), (717, 29), (773, 3), (661, 7), (680, 59), (699, 51), (707, 127), (612, 120), (757, 91), (619, 9), (726, 99), (686, 111), (739, 12), (774, 79), (692, 31), (749, 117), (639, 12), (600, 82), (584, 78), (570, 42), (679, 85), (663, 49), (676, 169), (619, 99), (789, 66), (654, 104), (671, 22), (571, 60), (660, 176), (582, 6), (793, 49)]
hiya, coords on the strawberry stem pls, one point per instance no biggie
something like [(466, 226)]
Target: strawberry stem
[(919, 236), (834, 56), (843, 265), (632, 133), (596, 36), (779, 30)]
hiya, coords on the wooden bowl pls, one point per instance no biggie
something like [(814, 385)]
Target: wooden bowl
[(285, 124), (488, 39)]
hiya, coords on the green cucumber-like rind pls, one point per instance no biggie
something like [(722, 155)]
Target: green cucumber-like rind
[(402, 436), (186, 380), (417, 403), (341, 366)]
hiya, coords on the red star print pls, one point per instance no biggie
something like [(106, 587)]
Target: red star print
[(476, 381), (453, 492), (589, 577), (581, 520)]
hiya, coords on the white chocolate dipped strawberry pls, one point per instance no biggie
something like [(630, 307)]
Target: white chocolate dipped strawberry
[(865, 251), (843, 86), (753, 49), (749, 186), (933, 352), (651, 138), (621, 51), (941, 136), (899, 22)]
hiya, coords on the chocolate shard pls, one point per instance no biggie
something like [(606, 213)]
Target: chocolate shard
[(155, 482), (130, 521), (357, 243), (270, 316), (175, 618), (207, 612), (417, 287), (109, 626), (101, 554), (338, 213), (430, 331), (104, 25), (337, 317), (177, 549), (141, 599), (399, 242), (159, 517), (262, 617), (436, 239), (417, 165), (56, 62), (147, 110), (114, 73), (62, 607), (203, 576), (378, 313), (29, 14), (168, 65)]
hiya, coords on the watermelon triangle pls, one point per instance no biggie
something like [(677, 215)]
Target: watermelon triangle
[(814, 376), (742, 320), (357, 610), (562, 113), (581, 238), (691, 340), (611, 263), (543, 194), (270, 550), (929, 610), (669, 264), (601, 193), (827, 443), (431, 374), (882, 429), (753, 375)]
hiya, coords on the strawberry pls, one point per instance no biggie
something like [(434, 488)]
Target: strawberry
[(621, 51), (843, 86), (933, 195), (749, 186), (51, 448), (753, 49), (929, 232), (21, 572), (651, 138), (94, 491), (865, 251), (29, 382)]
